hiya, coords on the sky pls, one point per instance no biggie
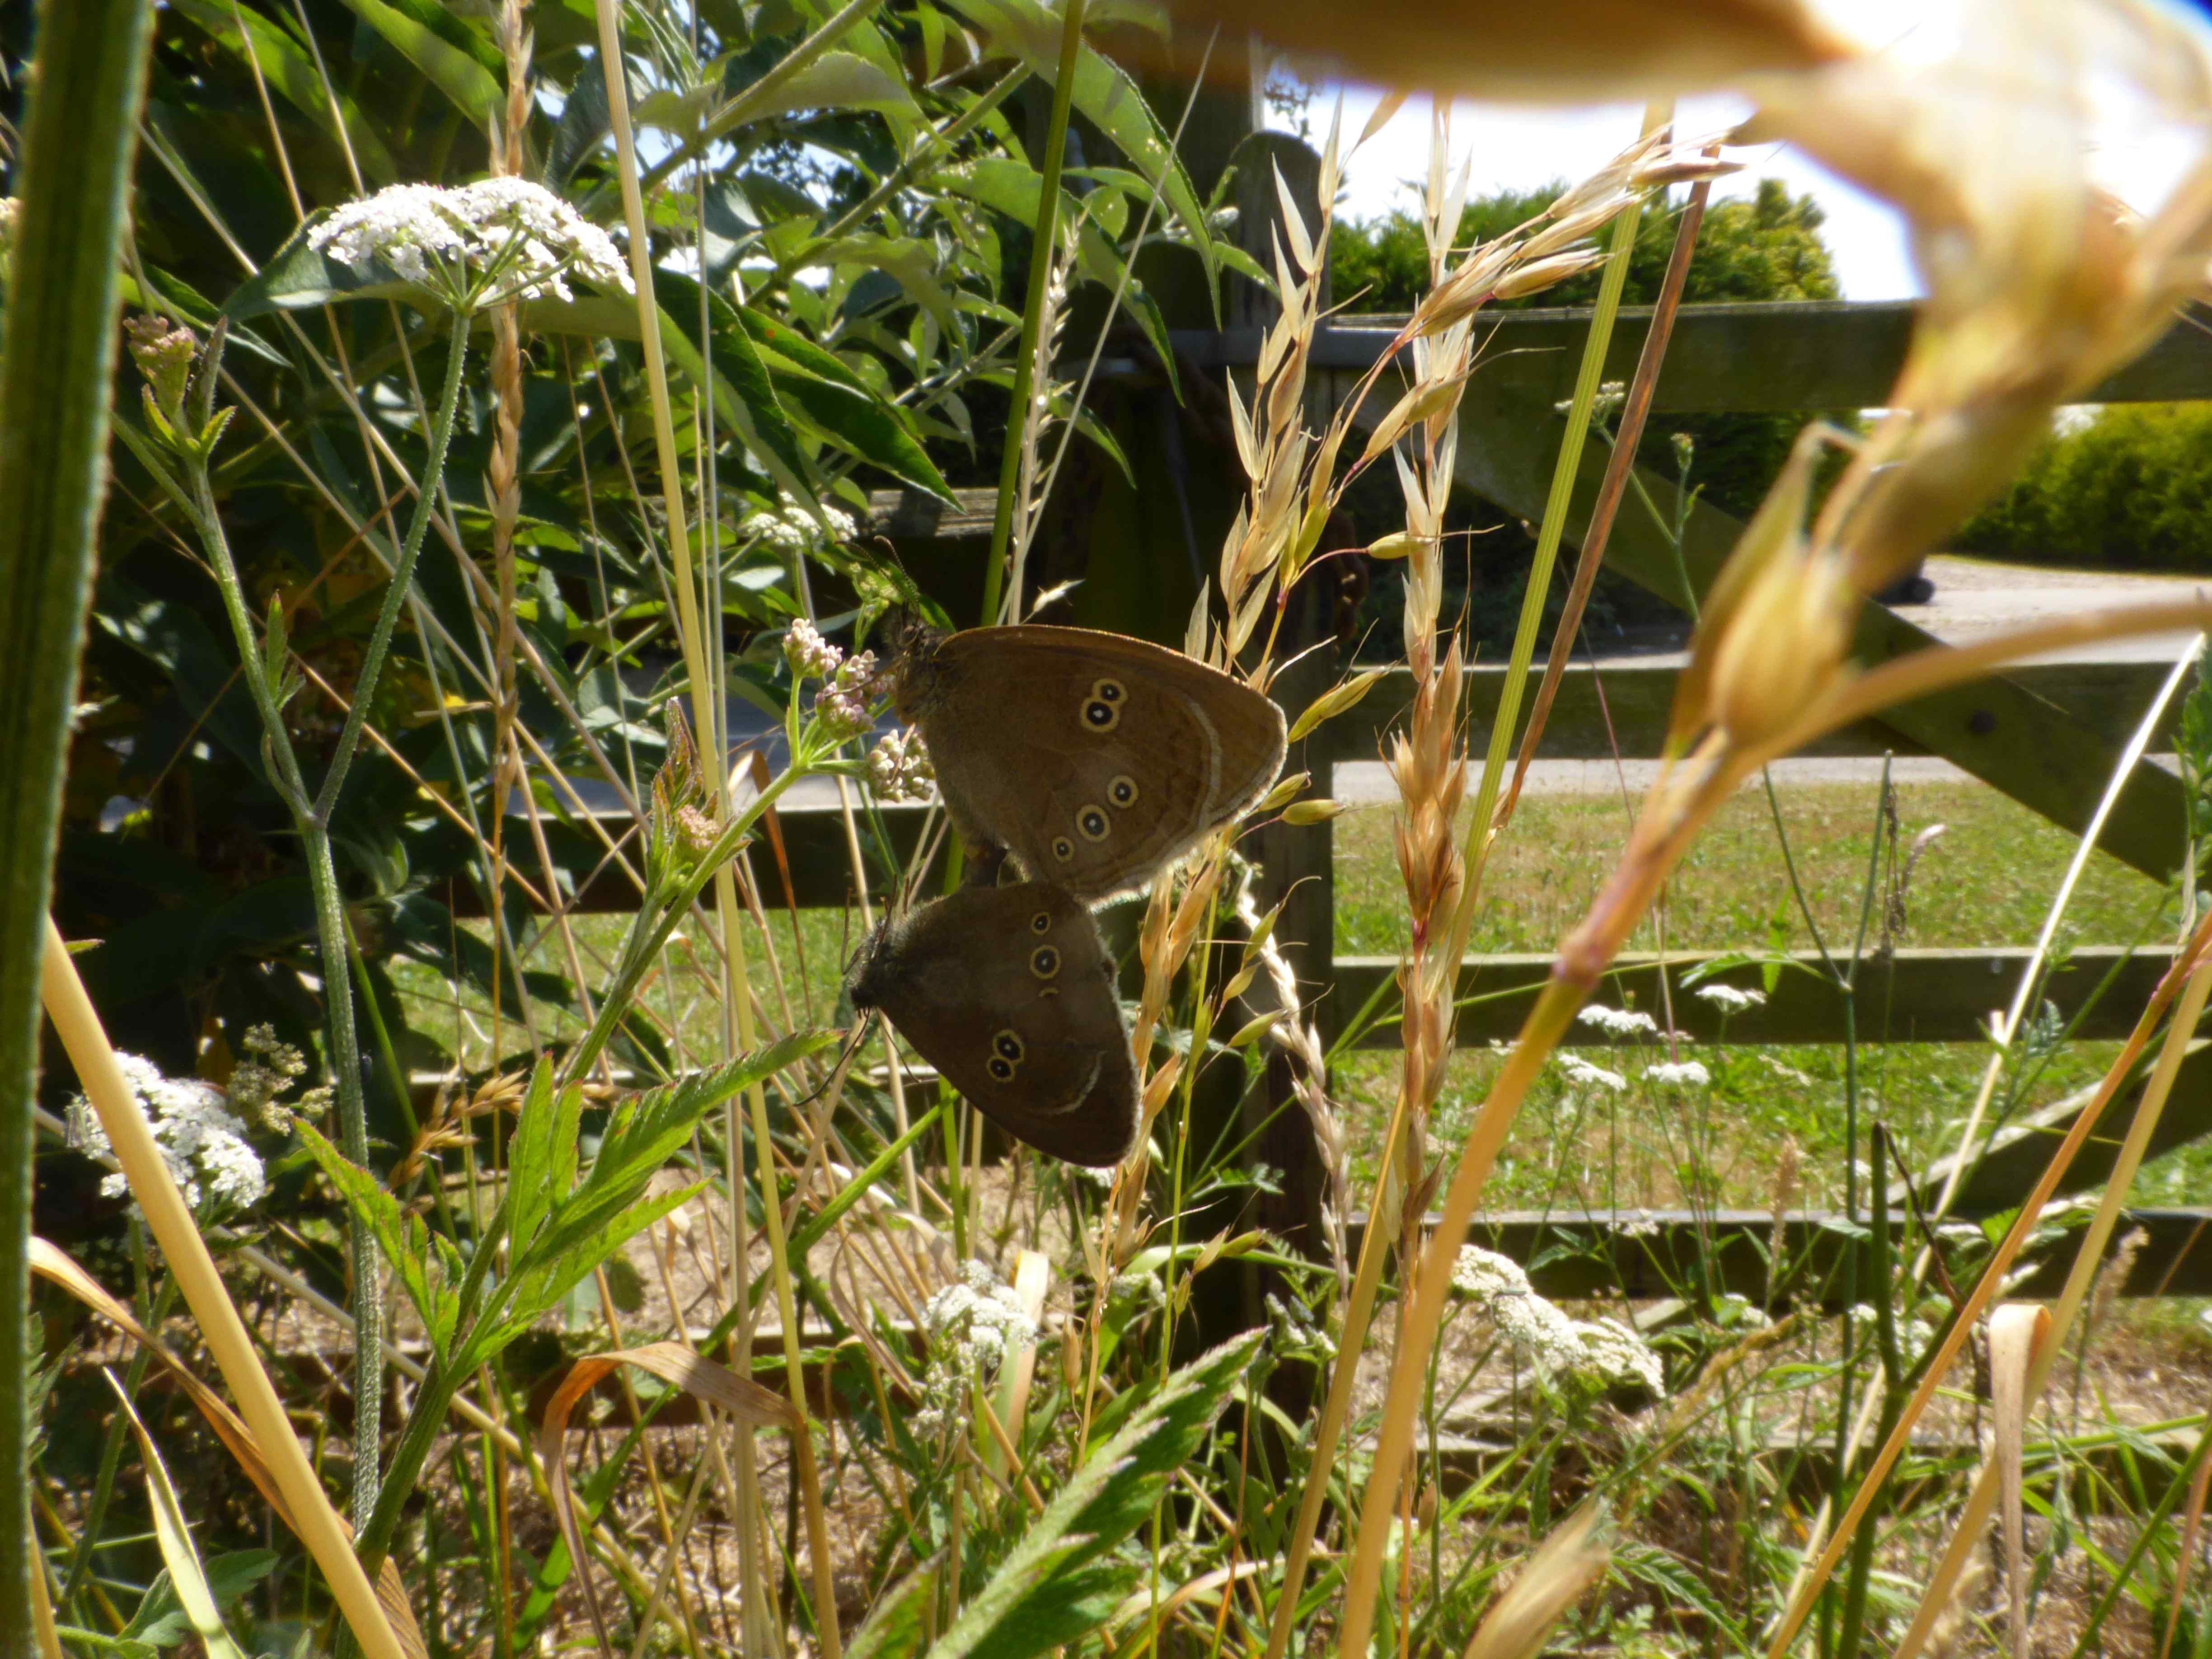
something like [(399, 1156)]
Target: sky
[(1521, 147)]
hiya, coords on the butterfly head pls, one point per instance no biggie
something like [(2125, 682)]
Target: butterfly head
[(912, 641), (874, 971)]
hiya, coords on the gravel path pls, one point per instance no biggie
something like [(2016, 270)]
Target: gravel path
[(1974, 599)]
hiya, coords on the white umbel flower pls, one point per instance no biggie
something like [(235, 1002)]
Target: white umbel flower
[(1541, 1333), (974, 1325), (1729, 999), (1581, 1071), (199, 1139), (475, 244), (1621, 1022), (792, 529), (1684, 1074)]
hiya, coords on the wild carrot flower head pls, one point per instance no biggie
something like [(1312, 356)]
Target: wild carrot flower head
[(472, 245), (203, 1144), (1544, 1335), (974, 1326)]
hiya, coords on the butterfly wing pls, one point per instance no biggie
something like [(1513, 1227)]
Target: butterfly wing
[(1009, 993), (1094, 758)]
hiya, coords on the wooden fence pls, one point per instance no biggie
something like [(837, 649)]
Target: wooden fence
[(2049, 735)]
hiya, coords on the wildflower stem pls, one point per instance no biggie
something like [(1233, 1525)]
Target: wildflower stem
[(1043, 243), (1547, 1023), (175, 1230), (342, 1039), (403, 576)]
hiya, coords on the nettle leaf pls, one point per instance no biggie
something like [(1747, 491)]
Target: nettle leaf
[(542, 1156), (1067, 1575), (407, 1244)]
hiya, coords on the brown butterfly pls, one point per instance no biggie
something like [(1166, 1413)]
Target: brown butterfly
[(1009, 993), (1093, 758)]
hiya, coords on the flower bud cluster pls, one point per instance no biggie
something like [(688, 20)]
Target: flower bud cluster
[(163, 351), (846, 704), (268, 1070), (899, 768), (811, 656)]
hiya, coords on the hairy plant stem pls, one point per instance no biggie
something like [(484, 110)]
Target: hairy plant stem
[(1045, 239), (1860, 1576), (311, 821), (73, 184), (403, 576)]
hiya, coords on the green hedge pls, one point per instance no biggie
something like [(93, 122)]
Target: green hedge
[(2129, 490)]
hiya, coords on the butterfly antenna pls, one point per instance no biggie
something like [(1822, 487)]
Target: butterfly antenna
[(853, 1043)]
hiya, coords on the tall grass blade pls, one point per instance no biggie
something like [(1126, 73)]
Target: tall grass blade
[(73, 184), (86, 1042), (173, 1534)]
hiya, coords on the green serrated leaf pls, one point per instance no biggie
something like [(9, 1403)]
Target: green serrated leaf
[(1065, 1576), (899, 1627), (402, 1238)]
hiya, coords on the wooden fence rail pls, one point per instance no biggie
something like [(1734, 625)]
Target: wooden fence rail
[(2048, 734)]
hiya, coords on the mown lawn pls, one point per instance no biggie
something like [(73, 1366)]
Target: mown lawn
[(1987, 879)]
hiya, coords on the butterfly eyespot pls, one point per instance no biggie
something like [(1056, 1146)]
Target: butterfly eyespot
[(1100, 715), (1108, 690), (1002, 1069), (1044, 962), (1093, 823), (1041, 922), (1008, 1046), (1122, 792), (1063, 848)]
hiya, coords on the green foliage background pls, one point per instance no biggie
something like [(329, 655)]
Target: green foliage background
[(2131, 489)]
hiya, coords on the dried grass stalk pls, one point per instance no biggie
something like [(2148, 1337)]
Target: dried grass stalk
[(171, 1222), (1570, 1562)]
